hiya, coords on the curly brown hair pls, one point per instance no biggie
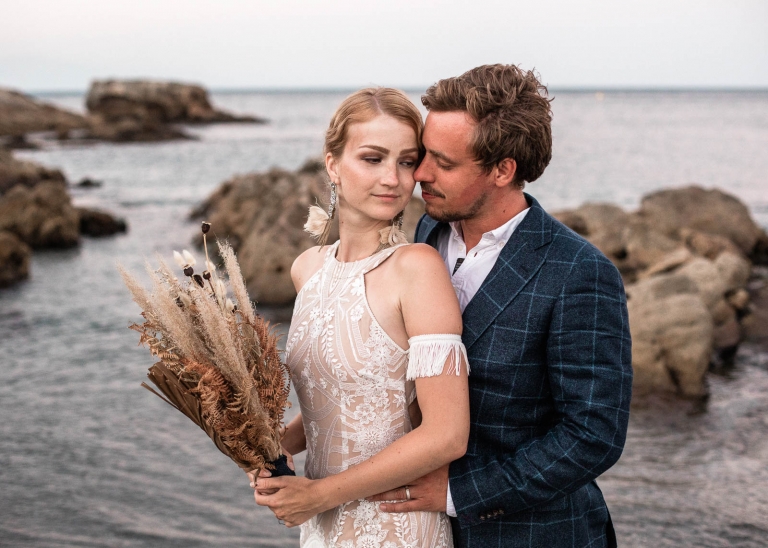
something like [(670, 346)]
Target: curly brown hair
[(512, 112)]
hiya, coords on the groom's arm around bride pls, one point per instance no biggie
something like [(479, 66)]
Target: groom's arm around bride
[(546, 332)]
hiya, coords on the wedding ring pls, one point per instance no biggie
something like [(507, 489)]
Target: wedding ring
[(407, 493)]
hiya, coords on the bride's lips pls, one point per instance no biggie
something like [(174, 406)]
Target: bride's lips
[(387, 197)]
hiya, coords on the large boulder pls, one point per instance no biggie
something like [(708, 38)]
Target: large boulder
[(685, 258), (42, 217), (263, 215), (21, 114), (710, 211), (18, 172), (138, 110), (671, 335), (14, 259)]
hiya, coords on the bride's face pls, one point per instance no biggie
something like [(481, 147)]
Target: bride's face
[(374, 175)]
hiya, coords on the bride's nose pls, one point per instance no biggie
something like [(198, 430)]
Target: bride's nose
[(389, 178)]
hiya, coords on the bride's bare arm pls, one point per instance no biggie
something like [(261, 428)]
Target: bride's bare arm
[(294, 440), (429, 306)]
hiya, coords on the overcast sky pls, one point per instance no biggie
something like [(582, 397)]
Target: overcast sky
[(63, 44)]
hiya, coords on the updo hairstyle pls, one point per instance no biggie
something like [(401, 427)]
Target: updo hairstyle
[(363, 106)]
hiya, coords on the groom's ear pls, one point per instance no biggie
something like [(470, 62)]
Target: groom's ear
[(505, 172)]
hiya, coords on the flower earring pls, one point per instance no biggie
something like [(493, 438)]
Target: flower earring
[(393, 234), (319, 222)]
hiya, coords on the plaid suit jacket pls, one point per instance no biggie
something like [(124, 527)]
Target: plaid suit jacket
[(547, 336)]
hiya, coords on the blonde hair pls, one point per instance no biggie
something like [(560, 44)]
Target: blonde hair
[(366, 104)]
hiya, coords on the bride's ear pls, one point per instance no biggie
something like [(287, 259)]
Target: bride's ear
[(332, 167)]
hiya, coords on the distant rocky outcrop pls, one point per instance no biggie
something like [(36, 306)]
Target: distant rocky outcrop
[(137, 110), (21, 114), (118, 111), (686, 257), (263, 214)]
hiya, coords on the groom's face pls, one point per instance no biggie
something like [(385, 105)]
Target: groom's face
[(453, 186)]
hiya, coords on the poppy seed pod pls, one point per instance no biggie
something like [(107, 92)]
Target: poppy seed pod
[(188, 271), (199, 280), (206, 227), (207, 275)]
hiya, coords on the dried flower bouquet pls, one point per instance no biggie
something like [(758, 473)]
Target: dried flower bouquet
[(219, 363)]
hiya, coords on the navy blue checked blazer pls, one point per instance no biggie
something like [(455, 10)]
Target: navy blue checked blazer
[(547, 336)]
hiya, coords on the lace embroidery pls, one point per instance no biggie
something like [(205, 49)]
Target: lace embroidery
[(351, 381)]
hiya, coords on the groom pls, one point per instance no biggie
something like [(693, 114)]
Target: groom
[(545, 326)]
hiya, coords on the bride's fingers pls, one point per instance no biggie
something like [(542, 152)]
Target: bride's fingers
[(402, 507)]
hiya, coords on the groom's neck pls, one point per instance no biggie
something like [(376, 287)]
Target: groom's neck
[(497, 210)]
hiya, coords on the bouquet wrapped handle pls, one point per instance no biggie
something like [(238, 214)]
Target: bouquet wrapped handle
[(281, 467)]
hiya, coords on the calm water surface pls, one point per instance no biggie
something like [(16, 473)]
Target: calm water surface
[(88, 458)]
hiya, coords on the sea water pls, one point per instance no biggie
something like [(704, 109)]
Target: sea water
[(89, 458)]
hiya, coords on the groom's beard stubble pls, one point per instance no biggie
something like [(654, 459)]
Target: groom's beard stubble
[(446, 215)]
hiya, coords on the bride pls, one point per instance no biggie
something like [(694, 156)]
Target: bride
[(376, 323)]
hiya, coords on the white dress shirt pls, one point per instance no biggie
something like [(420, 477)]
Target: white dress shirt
[(472, 271)]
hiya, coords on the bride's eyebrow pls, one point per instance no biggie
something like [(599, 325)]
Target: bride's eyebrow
[(377, 148)]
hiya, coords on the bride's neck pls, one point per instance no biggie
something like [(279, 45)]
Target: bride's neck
[(358, 237)]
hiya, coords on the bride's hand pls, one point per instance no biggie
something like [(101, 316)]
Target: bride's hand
[(293, 499), (264, 473)]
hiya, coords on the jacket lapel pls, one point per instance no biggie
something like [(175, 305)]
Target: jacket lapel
[(429, 230), (520, 259)]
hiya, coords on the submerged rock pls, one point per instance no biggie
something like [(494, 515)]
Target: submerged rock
[(263, 215), (685, 258), (137, 110), (14, 259), (97, 224)]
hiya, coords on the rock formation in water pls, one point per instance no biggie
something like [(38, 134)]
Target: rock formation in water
[(14, 259), (118, 111), (28, 174), (135, 110), (36, 212), (21, 114), (686, 256), (263, 215)]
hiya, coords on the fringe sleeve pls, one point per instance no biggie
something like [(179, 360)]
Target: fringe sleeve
[(430, 355)]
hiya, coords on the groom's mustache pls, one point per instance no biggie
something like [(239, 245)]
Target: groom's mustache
[(429, 190)]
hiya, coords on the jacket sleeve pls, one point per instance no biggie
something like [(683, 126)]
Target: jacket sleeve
[(588, 361)]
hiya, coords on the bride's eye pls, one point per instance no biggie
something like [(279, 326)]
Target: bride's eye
[(372, 159), (408, 162)]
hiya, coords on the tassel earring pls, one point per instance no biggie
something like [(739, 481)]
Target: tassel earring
[(319, 222), (393, 234)]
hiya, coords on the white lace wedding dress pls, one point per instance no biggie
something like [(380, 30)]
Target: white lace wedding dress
[(350, 377)]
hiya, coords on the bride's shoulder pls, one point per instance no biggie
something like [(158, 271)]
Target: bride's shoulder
[(419, 258), (306, 264)]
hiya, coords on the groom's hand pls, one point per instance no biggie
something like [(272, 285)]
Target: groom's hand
[(428, 493)]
